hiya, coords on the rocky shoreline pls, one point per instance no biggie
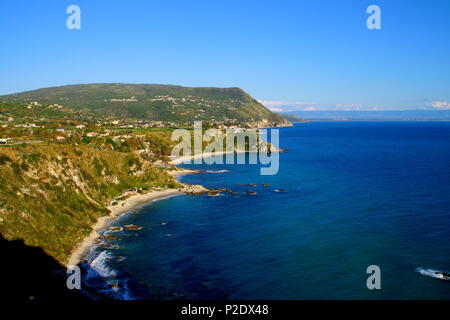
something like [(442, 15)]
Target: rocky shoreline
[(128, 204), (117, 208)]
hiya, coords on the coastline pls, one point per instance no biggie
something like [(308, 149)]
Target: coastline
[(134, 202), (122, 207), (182, 159)]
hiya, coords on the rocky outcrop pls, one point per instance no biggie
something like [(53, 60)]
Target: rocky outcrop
[(267, 147), (194, 189), (265, 123)]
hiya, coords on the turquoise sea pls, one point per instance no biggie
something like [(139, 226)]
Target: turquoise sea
[(357, 194)]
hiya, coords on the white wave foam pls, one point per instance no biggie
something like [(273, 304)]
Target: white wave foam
[(98, 265), (431, 273), (216, 171)]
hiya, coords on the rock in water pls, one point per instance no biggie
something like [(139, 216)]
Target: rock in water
[(110, 237), (194, 189), (132, 227)]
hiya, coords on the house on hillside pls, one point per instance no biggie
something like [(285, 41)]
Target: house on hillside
[(92, 134), (6, 140)]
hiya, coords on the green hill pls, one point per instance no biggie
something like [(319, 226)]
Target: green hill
[(291, 117), (156, 102)]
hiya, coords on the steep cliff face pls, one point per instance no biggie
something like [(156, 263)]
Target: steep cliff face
[(51, 195)]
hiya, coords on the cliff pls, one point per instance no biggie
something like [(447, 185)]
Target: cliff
[(51, 194)]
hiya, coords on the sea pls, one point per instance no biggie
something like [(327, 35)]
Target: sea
[(357, 194)]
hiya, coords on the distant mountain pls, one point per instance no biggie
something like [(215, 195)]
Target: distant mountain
[(402, 115), (156, 102)]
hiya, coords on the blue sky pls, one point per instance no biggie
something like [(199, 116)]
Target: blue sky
[(305, 54)]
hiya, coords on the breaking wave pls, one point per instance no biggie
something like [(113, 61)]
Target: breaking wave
[(99, 267), (432, 273), (216, 171), (105, 280)]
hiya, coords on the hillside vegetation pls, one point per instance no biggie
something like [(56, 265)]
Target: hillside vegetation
[(52, 194), (157, 102), (66, 153)]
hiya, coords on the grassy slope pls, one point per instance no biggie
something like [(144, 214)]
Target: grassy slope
[(52, 194)]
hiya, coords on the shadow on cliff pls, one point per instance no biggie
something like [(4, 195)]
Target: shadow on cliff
[(29, 274)]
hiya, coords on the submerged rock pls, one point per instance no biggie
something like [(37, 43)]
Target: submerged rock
[(110, 246), (214, 192), (121, 258), (132, 227), (114, 285), (110, 237)]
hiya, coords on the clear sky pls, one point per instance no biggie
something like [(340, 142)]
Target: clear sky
[(312, 54)]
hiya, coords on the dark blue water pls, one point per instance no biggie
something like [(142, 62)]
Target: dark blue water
[(358, 194)]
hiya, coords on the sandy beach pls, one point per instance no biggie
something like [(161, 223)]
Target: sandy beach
[(134, 202), (122, 207), (182, 171), (183, 159), (188, 159)]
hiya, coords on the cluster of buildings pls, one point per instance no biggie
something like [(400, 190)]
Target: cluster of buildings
[(132, 99)]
